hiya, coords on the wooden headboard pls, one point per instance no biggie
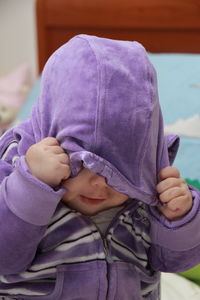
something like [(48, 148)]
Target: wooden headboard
[(160, 25)]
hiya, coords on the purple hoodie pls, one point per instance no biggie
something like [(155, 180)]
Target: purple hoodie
[(99, 99)]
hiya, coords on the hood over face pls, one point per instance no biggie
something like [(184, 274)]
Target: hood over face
[(99, 99)]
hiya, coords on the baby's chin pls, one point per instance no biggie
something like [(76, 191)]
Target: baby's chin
[(90, 213)]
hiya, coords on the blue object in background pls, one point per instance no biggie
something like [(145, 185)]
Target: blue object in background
[(178, 80), (31, 99), (179, 94)]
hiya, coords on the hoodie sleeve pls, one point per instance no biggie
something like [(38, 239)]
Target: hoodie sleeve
[(176, 245), (26, 206)]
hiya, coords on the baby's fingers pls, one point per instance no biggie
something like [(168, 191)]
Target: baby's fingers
[(63, 158), (57, 149), (179, 204), (171, 215), (65, 172), (172, 193), (168, 172), (176, 208), (168, 184), (49, 141)]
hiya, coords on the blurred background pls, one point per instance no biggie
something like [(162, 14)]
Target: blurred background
[(18, 35)]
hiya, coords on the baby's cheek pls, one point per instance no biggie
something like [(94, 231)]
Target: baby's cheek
[(65, 198), (120, 199), (69, 196)]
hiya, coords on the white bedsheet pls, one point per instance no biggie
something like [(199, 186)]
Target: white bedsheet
[(175, 287)]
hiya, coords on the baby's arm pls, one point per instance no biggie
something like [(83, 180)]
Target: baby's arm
[(27, 203), (174, 194), (48, 162), (175, 239)]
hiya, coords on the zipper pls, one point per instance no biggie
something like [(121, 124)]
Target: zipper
[(113, 223), (108, 257), (105, 244)]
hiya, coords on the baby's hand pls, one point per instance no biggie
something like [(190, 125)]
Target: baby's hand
[(174, 194), (48, 162)]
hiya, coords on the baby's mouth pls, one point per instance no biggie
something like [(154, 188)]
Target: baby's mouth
[(92, 201)]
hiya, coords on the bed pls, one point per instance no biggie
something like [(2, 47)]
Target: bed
[(170, 31)]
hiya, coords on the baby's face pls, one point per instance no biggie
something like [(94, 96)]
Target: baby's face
[(89, 193)]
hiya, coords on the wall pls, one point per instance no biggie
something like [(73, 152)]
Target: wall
[(17, 35)]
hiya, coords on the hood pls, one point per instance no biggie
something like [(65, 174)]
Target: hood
[(99, 99)]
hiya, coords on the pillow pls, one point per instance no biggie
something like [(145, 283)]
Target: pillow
[(175, 287), (31, 99), (179, 93), (13, 91), (178, 85)]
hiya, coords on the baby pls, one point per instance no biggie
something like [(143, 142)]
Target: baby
[(90, 206)]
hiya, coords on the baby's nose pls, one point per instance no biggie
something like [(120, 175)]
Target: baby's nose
[(98, 181)]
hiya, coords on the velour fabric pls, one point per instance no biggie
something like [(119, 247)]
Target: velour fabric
[(99, 99)]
